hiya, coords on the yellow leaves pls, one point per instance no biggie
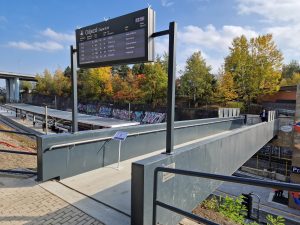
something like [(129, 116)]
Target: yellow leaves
[(255, 66), (226, 87), (295, 79)]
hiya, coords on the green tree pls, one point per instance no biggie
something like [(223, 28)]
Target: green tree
[(225, 87), (45, 84), (163, 60), (95, 84), (57, 84), (197, 82), (121, 70), (68, 72), (138, 69), (255, 66), (294, 80), (154, 84), (26, 86), (61, 84), (289, 69)]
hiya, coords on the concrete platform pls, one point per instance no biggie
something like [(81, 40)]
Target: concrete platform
[(104, 193), (65, 115)]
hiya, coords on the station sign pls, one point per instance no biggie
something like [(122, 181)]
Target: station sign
[(122, 40)]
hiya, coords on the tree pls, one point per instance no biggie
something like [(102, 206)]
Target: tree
[(255, 66), (138, 69), (57, 84), (127, 90), (294, 80), (163, 61), (154, 84), (121, 70), (26, 86), (197, 82), (225, 86), (61, 84), (95, 84), (289, 69), (45, 85)]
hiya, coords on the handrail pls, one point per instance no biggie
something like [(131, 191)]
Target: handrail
[(17, 132), (240, 180), (129, 135)]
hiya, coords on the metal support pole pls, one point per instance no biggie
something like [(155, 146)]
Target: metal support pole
[(258, 204), (74, 90), (46, 119), (119, 158), (171, 88), (129, 111)]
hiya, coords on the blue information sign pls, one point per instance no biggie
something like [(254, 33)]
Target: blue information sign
[(120, 136)]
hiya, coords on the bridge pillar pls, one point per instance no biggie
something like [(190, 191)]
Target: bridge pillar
[(17, 89), (7, 90), (11, 90)]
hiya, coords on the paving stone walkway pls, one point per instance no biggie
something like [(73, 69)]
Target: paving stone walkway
[(23, 201)]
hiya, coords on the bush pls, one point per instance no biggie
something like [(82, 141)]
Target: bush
[(279, 220), (233, 209)]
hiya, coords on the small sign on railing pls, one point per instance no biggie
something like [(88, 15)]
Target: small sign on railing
[(120, 136)]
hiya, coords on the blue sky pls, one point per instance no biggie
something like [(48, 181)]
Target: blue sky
[(36, 34)]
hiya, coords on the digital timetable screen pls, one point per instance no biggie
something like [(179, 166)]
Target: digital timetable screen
[(125, 39)]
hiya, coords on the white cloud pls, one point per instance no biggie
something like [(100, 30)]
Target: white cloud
[(36, 46), (283, 19), (272, 10), (60, 37), (211, 38), (161, 45), (166, 3), (212, 42)]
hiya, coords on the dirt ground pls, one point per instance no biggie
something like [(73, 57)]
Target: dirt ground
[(210, 215), (18, 143)]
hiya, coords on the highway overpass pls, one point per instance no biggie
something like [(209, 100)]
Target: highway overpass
[(12, 81)]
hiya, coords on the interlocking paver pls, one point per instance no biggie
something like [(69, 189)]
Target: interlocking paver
[(25, 202)]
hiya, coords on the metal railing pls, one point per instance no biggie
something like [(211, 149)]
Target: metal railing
[(18, 152), (232, 179), (134, 134)]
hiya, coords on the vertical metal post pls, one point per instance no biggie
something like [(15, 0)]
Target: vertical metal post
[(171, 88), (129, 117), (74, 90), (119, 158), (46, 119), (154, 198)]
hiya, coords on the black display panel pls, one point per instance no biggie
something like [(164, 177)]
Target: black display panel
[(125, 39)]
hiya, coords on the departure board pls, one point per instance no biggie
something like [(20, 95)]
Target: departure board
[(125, 39)]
